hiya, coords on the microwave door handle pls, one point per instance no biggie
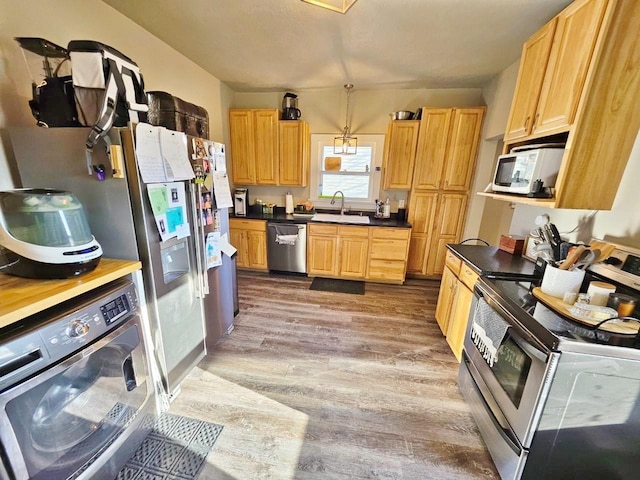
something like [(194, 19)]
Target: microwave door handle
[(498, 419)]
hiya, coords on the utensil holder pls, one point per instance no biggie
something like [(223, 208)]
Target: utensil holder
[(556, 282)]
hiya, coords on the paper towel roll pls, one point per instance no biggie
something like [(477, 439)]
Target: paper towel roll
[(288, 204)]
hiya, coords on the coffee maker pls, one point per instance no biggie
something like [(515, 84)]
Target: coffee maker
[(290, 107), (241, 202)]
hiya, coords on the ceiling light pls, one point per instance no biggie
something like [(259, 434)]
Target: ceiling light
[(340, 6), (346, 144)]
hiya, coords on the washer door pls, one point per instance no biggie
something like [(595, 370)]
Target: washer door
[(62, 418)]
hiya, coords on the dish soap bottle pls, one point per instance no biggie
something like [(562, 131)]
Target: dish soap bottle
[(386, 212)]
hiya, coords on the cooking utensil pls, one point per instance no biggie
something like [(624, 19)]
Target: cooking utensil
[(587, 258), (573, 257)]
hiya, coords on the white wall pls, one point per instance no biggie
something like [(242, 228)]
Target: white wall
[(488, 218), (621, 224), (60, 21)]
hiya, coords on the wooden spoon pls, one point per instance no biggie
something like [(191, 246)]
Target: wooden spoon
[(572, 258)]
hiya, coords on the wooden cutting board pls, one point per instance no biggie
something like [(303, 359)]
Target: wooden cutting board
[(628, 328)]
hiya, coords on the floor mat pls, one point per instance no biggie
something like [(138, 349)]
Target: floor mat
[(338, 286), (176, 448)]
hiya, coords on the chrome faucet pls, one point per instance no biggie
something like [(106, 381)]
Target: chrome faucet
[(333, 201)]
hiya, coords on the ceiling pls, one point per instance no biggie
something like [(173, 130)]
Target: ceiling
[(275, 45)]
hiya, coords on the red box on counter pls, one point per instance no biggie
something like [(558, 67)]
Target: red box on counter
[(513, 244)]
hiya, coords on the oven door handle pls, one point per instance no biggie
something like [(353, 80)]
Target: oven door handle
[(498, 419)]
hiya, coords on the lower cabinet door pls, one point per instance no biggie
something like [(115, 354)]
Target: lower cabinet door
[(445, 299), (459, 318), (353, 256), (236, 237), (321, 257), (257, 247)]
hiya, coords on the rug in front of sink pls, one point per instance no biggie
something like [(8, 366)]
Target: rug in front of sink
[(176, 448)]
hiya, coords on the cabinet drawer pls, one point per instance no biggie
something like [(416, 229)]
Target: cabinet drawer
[(315, 229), (468, 276), (259, 225), (390, 233), (362, 232), (453, 262), (386, 270), (388, 249)]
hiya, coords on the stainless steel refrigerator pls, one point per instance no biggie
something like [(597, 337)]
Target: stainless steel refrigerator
[(220, 282), (120, 217)]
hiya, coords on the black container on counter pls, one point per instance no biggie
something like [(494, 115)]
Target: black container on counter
[(402, 214)]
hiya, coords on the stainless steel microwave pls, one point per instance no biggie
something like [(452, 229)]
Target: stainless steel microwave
[(518, 171)]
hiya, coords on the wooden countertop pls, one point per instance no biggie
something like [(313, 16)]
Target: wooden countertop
[(21, 297)]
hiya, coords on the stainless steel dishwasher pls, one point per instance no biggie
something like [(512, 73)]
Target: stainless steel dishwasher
[(287, 247)]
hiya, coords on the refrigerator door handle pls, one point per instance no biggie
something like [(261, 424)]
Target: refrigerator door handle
[(198, 243), (203, 245)]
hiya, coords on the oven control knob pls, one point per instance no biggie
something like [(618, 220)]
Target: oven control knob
[(77, 328)]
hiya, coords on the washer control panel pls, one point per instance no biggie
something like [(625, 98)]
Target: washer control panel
[(89, 321)]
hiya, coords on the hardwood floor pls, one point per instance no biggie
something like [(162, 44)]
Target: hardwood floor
[(318, 385)]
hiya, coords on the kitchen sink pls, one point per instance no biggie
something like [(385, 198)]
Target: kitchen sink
[(334, 218)]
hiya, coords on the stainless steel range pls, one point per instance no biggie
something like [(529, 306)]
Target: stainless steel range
[(556, 398)]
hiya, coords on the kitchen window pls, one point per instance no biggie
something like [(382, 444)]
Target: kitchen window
[(357, 176)]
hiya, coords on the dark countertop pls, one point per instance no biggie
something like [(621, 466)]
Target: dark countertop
[(279, 215), (492, 262)]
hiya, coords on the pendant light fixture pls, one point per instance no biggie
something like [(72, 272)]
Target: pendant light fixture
[(346, 144), (340, 6)]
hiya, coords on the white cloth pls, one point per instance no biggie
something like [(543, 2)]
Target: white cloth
[(286, 239), (488, 331)]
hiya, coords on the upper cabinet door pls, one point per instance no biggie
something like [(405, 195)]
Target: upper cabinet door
[(242, 147), (463, 148), (573, 46), (266, 146), (294, 144), (400, 154), (432, 148), (533, 64)]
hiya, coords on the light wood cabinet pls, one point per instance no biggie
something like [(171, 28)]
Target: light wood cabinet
[(254, 146), (462, 148), (454, 301), (533, 64), (422, 216), (354, 252), (431, 153), (388, 253), (445, 299), (445, 162), (571, 53), (250, 238), (452, 208), (353, 247), (553, 71), (294, 153), (590, 99), (322, 250), (437, 219), (459, 317), (400, 154)]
